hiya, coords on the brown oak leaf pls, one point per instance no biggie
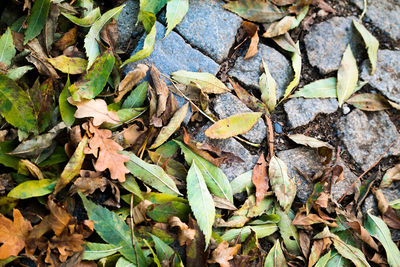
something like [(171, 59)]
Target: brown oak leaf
[(223, 253), (96, 108), (13, 234), (107, 152)]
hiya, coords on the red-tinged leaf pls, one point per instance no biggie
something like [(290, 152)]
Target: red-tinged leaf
[(260, 178)]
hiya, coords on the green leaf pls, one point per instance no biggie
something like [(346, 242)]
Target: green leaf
[(125, 115), (325, 88), (37, 19), (5, 159), (200, 201), (171, 166), (93, 36), (151, 174), (16, 106), (371, 43), (96, 251), (347, 76), (323, 260), (70, 65), (395, 204), (337, 260), (110, 227), (378, 229), (171, 127), (283, 187), (137, 97), (165, 252), (87, 21), (215, 178), (242, 182), (166, 206), (122, 262), (296, 65), (233, 125), (153, 6), (148, 45), (17, 73), (131, 185), (350, 252), (288, 232), (268, 88), (67, 111), (176, 11), (256, 10), (34, 188), (95, 79), (275, 257), (207, 82), (73, 166), (369, 102), (261, 231), (392, 174), (7, 49)]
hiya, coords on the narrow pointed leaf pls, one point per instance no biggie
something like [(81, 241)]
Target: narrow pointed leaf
[(275, 257), (268, 88), (17, 73), (261, 231), (34, 188), (200, 201), (242, 182), (207, 82), (296, 65), (323, 260), (325, 88), (7, 49), (137, 97), (96, 251), (70, 65), (371, 43), (255, 10), (176, 10), (347, 76), (350, 252), (86, 21), (37, 19), (302, 139), (67, 111), (369, 102), (288, 232), (233, 125), (165, 252)]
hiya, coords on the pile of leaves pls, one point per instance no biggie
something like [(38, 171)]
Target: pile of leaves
[(97, 168)]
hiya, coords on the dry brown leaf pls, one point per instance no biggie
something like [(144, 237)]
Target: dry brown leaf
[(58, 219), (322, 200), (33, 169), (13, 234), (251, 31), (67, 244), (107, 152), (223, 203), (302, 219), (133, 132), (39, 58), (130, 80), (110, 34), (96, 108), (223, 254), (326, 7), (363, 233), (161, 90), (305, 243), (316, 250), (279, 27), (68, 39), (186, 235), (260, 178), (139, 211), (89, 182)]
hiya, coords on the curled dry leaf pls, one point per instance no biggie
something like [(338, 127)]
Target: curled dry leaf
[(95, 108), (33, 169), (251, 31), (255, 10), (130, 80), (279, 27), (393, 174), (223, 254), (68, 39), (39, 58), (302, 139), (369, 102), (186, 235), (161, 90), (88, 182), (260, 178)]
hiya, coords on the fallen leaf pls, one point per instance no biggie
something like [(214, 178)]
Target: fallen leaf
[(88, 182), (132, 134), (37, 19), (347, 76), (369, 102), (296, 65), (316, 251), (186, 234), (223, 254), (249, 100), (362, 232), (393, 174), (260, 178), (96, 108), (13, 234), (350, 252), (302, 139), (233, 125), (207, 82), (252, 31), (137, 97), (86, 21), (279, 27), (7, 47), (33, 169), (68, 64), (371, 43), (67, 244), (268, 88), (288, 232), (261, 231), (130, 80), (176, 11), (255, 10), (275, 257), (68, 39), (286, 42), (325, 88), (110, 34), (161, 90), (38, 58)]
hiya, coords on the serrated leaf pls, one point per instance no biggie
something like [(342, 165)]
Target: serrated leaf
[(16, 106), (371, 43), (137, 97), (67, 111), (70, 65), (378, 229), (325, 88), (275, 257), (215, 178), (7, 49), (176, 11), (369, 102), (95, 79), (350, 252), (288, 232), (296, 65), (37, 19), (34, 188), (151, 174), (148, 45), (93, 36), (302, 139), (261, 231), (255, 10), (86, 21), (110, 227), (268, 88), (233, 125), (282, 185), (200, 201), (347, 76), (96, 251), (171, 127), (207, 82)]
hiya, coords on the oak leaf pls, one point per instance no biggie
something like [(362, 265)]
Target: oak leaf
[(13, 234), (96, 108), (186, 234), (223, 253), (107, 152)]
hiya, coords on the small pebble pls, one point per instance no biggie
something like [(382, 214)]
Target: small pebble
[(277, 128), (346, 109)]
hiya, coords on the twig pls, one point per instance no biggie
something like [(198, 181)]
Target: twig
[(370, 167), (270, 137)]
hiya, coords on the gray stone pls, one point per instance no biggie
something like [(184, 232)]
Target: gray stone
[(386, 77), (173, 53), (309, 162), (301, 111), (367, 135), (227, 104), (210, 28), (232, 168), (248, 71), (384, 14), (327, 41), (126, 24)]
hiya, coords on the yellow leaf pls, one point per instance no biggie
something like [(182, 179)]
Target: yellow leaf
[(70, 65)]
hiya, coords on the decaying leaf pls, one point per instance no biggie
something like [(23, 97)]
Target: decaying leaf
[(296, 65), (350, 252), (186, 234), (268, 88), (393, 174), (369, 102), (161, 90), (251, 31), (207, 82), (347, 76), (248, 99), (302, 139), (96, 108), (69, 65), (255, 10), (371, 43), (130, 80), (279, 27), (223, 254), (260, 178), (275, 257)]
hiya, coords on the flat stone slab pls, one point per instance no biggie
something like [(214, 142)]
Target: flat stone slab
[(327, 41), (309, 162), (232, 168), (126, 24), (301, 111), (227, 104), (210, 28), (367, 135), (386, 77), (173, 53), (248, 71), (383, 14)]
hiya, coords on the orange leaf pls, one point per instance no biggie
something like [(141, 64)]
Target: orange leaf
[(13, 234), (260, 178), (223, 253), (96, 108)]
